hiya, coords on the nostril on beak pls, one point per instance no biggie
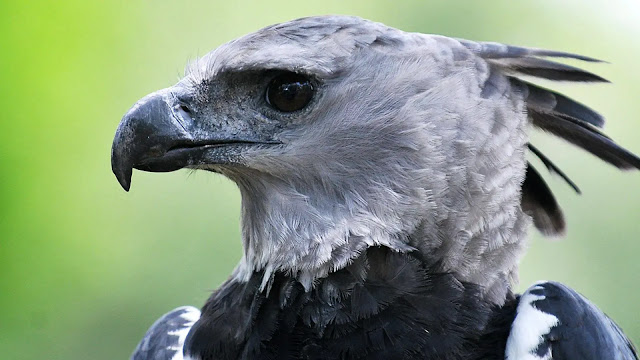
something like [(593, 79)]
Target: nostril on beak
[(185, 108), (182, 114), (182, 111)]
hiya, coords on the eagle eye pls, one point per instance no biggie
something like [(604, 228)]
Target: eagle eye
[(289, 92)]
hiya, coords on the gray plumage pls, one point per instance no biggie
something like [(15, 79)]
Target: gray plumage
[(456, 178), (412, 142)]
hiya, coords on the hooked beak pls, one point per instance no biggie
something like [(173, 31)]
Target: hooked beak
[(159, 134)]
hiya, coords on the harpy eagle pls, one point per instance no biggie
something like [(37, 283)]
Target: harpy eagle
[(386, 195)]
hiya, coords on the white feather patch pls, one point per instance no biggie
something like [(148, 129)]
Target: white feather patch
[(528, 328), (191, 315)]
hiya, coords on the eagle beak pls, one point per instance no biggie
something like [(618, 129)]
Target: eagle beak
[(146, 136), (160, 134)]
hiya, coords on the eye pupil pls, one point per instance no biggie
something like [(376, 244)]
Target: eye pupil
[(289, 92)]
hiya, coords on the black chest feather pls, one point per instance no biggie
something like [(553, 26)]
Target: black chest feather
[(386, 305)]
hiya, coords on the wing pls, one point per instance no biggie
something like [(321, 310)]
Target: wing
[(555, 322), (165, 338)]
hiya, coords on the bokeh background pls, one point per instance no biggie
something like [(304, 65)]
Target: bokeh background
[(85, 268)]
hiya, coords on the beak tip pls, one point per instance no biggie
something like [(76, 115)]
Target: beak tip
[(126, 185), (124, 177), (122, 170)]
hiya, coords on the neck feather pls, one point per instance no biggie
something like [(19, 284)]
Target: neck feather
[(438, 181)]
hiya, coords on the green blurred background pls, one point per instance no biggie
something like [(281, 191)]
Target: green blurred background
[(85, 268)]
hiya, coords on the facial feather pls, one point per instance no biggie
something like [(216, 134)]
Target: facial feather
[(387, 155)]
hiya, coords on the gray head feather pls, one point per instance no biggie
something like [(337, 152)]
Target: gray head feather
[(410, 141), (414, 142)]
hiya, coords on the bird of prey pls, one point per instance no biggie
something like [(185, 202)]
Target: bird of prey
[(386, 195)]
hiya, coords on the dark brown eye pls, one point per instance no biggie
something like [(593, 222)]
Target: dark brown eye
[(289, 92)]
